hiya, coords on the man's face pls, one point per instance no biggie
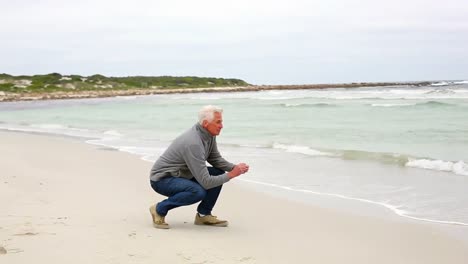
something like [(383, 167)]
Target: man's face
[(215, 126)]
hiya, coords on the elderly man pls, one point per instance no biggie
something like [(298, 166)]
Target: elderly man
[(181, 173)]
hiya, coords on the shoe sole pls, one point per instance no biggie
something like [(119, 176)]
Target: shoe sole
[(152, 210), (160, 226), (218, 225)]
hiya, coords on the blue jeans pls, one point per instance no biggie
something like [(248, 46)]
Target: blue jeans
[(181, 192)]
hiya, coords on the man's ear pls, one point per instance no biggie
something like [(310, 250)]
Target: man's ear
[(204, 123)]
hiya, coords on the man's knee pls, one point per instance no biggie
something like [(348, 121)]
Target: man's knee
[(198, 193)]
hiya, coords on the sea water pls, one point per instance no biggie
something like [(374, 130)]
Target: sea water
[(403, 148)]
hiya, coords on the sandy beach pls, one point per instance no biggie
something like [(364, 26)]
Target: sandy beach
[(64, 201)]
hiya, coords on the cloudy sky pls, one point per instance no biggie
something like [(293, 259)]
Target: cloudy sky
[(259, 41)]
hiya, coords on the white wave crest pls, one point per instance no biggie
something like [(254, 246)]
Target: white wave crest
[(292, 105), (440, 84), (113, 133), (391, 105), (277, 98), (49, 126), (461, 82), (301, 149), (460, 167), (306, 104), (55, 129)]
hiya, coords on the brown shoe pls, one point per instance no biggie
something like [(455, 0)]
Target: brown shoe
[(210, 220), (158, 220)]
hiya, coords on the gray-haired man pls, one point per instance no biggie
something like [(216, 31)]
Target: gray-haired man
[(181, 173)]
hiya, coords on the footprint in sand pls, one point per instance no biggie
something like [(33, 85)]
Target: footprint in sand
[(10, 251), (28, 230), (184, 256), (26, 234), (245, 259)]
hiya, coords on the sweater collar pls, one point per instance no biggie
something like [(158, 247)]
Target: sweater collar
[(203, 132)]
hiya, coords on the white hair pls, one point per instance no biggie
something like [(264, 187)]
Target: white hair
[(207, 113)]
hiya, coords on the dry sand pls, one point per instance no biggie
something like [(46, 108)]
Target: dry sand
[(63, 201)]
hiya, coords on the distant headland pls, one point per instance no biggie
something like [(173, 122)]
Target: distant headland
[(57, 86)]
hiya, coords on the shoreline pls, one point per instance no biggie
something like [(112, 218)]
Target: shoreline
[(274, 188), (59, 192), (9, 97)]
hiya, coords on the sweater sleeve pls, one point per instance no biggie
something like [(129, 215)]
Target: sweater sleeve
[(217, 160), (193, 157)]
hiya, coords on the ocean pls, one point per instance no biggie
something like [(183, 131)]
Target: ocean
[(403, 148)]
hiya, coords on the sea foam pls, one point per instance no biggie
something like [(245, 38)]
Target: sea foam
[(301, 149), (113, 133), (460, 167), (391, 105)]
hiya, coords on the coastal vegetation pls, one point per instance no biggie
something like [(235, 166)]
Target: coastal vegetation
[(55, 82), (58, 86)]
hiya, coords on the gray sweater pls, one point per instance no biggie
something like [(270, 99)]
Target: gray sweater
[(187, 155)]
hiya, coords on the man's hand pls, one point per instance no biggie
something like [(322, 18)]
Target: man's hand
[(239, 169)]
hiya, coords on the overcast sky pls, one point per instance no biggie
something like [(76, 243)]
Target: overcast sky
[(259, 41)]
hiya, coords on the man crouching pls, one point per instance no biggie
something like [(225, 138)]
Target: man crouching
[(181, 173)]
